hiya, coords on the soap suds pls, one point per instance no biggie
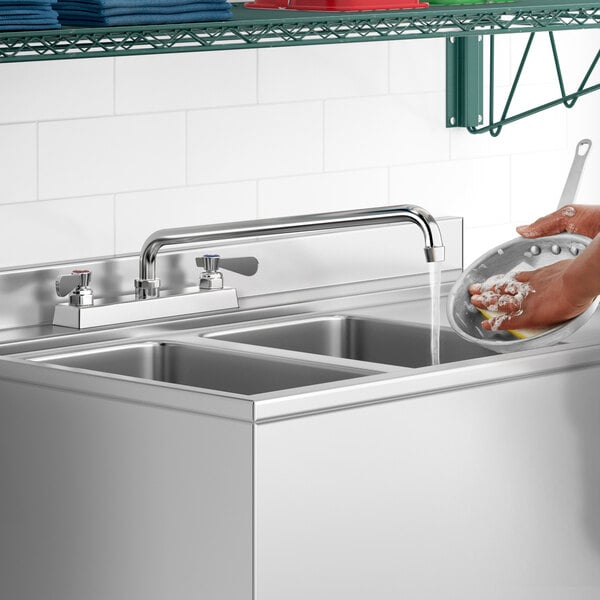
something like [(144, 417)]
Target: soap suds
[(507, 282), (496, 322), (500, 293), (568, 211)]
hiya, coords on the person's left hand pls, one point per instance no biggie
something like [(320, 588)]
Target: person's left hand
[(529, 299)]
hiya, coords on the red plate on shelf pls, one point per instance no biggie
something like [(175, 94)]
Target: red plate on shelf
[(337, 5)]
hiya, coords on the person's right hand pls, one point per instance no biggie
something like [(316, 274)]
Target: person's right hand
[(574, 218)]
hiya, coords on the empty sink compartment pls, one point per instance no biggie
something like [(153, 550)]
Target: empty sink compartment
[(190, 365), (358, 338)]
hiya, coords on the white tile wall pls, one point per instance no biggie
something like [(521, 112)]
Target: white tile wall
[(185, 81), (55, 230), (114, 148), (91, 156), (180, 207), (322, 193), (416, 67), (385, 130), (316, 72), (477, 188), (62, 89), (232, 144), (18, 163)]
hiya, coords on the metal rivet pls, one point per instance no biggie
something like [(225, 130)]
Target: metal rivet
[(574, 250), (556, 249), (452, 121), (452, 40), (535, 250), (480, 118)]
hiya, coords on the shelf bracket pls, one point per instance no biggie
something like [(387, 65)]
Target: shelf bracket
[(464, 81), (456, 75)]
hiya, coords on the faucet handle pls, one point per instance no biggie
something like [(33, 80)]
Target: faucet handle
[(77, 285), (244, 265), (211, 278), (209, 262)]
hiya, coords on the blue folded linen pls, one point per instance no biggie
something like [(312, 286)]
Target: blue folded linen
[(139, 5), (16, 13), (86, 8), (36, 4), (140, 12), (31, 14), (147, 19), (115, 12), (29, 27), (25, 25)]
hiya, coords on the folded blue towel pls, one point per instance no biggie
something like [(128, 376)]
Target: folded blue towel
[(206, 15), (139, 5), (87, 9), (30, 14), (17, 13), (140, 12), (27, 4), (28, 26), (72, 11)]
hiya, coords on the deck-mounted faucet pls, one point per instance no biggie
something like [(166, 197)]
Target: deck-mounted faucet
[(148, 285), (147, 303)]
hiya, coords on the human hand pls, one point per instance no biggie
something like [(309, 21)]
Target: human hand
[(530, 299), (580, 218)]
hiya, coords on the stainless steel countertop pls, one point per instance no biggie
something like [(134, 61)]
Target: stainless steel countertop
[(391, 383)]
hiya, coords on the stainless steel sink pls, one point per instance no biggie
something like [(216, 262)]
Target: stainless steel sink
[(214, 369), (372, 340)]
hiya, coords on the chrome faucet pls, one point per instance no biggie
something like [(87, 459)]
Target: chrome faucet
[(148, 284), (81, 312)]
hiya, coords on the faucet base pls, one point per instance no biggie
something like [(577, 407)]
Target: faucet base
[(115, 313)]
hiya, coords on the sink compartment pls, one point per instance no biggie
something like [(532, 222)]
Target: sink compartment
[(214, 369), (358, 338)]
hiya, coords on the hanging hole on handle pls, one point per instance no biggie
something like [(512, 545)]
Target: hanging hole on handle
[(584, 147)]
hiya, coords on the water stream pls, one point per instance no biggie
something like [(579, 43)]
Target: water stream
[(435, 280)]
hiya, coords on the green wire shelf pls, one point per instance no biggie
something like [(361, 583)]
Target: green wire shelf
[(254, 28)]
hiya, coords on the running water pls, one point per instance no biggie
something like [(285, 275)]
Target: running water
[(435, 280)]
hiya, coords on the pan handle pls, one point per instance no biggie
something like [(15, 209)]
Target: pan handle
[(570, 190)]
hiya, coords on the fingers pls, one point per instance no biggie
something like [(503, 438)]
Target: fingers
[(547, 225), (503, 294), (502, 323), (511, 283), (497, 302)]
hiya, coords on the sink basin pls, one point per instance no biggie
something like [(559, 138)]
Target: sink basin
[(186, 364), (372, 340)]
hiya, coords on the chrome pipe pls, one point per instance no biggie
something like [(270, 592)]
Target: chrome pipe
[(148, 285)]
